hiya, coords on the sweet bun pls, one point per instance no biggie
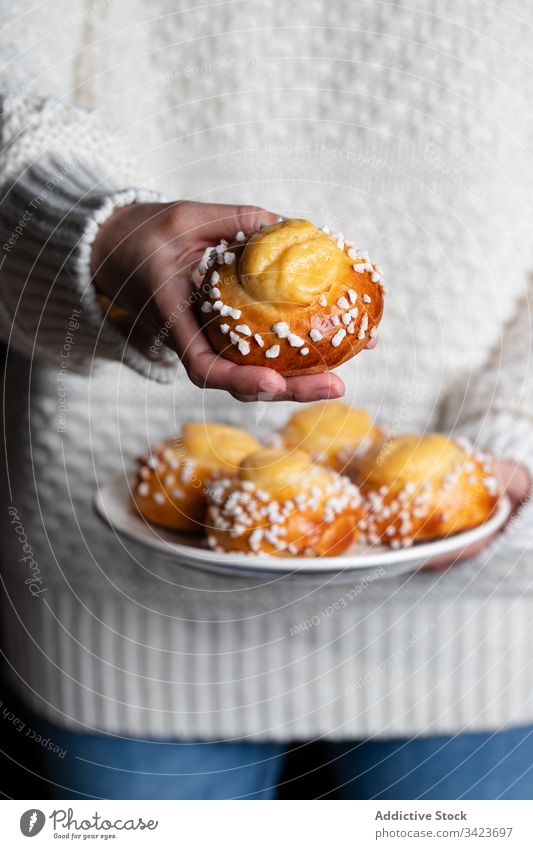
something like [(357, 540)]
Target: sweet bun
[(282, 503), (332, 432), (170, 489), (422, 488), (291, 297)]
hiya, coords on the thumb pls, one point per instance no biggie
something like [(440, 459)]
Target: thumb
[(211, 222)]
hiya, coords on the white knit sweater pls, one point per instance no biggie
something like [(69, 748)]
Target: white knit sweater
[(409, 126)]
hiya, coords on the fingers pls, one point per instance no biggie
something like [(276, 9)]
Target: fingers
[(312, 387), (208, 370), (443, 562), (514, 479), (315, 387), (246, 383)]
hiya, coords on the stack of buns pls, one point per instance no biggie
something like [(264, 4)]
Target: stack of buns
[(335, 479)]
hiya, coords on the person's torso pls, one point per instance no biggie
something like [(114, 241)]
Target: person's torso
[(408, 128)]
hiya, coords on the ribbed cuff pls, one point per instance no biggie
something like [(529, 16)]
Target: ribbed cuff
[(101, 207), (49, 220)]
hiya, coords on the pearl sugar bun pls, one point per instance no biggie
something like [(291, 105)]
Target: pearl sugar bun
[(291, 297), (172, 481), (283, 503), (423, 488), (332, 432)]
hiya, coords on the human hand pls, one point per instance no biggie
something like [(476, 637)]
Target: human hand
[(143, 260), (515, 481)]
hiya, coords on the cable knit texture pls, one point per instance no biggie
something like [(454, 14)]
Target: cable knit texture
[(408, 128)]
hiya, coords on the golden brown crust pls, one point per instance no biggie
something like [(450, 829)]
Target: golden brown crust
[(290, 298), (419, 488), (171, 484), (332, 432), (283, 505)]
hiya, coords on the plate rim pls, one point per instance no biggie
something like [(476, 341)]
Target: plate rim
[(260, 563)]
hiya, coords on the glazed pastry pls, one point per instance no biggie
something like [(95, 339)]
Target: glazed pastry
[(422, 488), (291, 297), (283, 504), (171, 482), (332, 432)]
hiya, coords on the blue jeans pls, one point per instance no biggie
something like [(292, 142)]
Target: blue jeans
[(467, 766)]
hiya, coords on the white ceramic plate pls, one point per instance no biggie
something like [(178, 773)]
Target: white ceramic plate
[(113, 503)]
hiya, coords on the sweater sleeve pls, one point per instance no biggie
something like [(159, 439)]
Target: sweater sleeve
[(494, 409), (61, 177)]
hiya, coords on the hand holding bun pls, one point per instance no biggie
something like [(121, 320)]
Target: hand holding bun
[(283, 504), (332, 432), (171, 483), (291, 297), (423, 488)]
